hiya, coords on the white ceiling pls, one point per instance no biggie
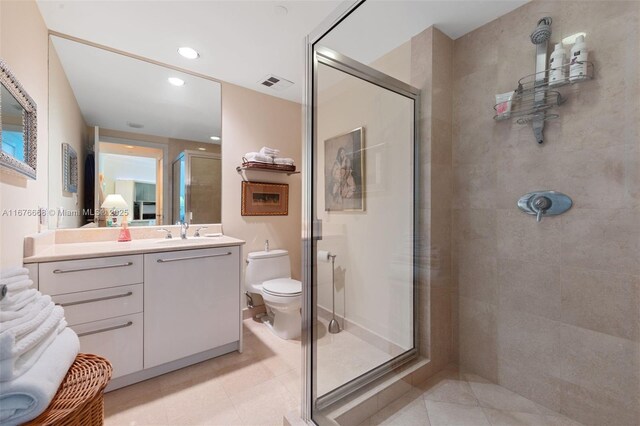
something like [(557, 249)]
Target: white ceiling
[(242, 41), (113, 90)]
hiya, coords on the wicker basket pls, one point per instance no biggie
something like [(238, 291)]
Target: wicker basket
[(79, 400)]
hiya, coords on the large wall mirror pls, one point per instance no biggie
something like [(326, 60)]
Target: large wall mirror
[(146, 135)]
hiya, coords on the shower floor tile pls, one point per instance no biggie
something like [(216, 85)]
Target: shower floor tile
[(343, 356), (452, 398)]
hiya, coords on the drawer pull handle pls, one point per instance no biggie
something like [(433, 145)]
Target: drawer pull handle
[(193, 257), (97, 299), (91, 268), (102, 330)]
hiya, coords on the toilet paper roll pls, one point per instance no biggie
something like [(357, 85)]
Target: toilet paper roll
[(323, 256)]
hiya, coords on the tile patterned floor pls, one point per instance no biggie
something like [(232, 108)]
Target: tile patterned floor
[(457, 399), (257, 387), (335, 368)]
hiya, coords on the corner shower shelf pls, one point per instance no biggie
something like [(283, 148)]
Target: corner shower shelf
[(535, 96)]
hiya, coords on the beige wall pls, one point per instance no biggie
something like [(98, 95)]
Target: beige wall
[(66, 125), (25, 52), (431, 72), (551, 310), (251, 120), (373, 274)]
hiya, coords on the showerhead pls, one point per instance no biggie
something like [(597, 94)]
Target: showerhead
[(542, 32)]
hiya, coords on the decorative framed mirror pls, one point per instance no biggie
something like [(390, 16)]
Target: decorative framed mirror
[(18, 126), (69, 169)]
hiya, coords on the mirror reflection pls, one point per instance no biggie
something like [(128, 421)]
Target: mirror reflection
[(131, 122), (12, 125)]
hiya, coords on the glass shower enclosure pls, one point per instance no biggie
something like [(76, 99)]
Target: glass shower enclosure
[(362, 225), (196, 187)]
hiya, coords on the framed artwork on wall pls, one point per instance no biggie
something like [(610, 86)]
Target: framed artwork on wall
[(265, 199), (344, 172)]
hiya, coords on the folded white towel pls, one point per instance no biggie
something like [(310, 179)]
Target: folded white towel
[(13, 272), (27, 396), (271, 152), (13, 319), (21, 346), (285, 161), (18, 283), (258, 157), (16, 301)]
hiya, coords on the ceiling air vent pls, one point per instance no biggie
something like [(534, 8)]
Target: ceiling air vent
[(275, 82)]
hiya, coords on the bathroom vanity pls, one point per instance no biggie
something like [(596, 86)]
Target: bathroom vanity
[(150, 305)]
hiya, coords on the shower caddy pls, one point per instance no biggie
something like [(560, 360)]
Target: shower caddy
[(535, 97)]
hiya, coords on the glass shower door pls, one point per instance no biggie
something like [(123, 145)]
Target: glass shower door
[(364, 202)]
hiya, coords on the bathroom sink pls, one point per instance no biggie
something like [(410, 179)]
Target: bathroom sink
[(181, 241)]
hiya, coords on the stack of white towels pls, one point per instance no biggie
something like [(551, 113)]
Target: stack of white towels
[(36, 348), (268, 156)]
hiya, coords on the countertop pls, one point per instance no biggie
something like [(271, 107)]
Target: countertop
[(88, 250)]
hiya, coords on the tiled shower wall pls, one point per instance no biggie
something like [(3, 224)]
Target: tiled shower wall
[(551, 310), (431, 72)]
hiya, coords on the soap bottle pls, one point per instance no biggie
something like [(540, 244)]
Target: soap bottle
[(578, 65), (125, 235), (557, 68)]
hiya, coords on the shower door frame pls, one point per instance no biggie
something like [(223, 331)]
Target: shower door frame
[(312, 227)]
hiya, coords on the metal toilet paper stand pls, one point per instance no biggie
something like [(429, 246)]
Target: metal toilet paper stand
[(334, 326)]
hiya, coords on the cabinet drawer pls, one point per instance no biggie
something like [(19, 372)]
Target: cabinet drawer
[(94, 305), (89, 274), (117, 339)]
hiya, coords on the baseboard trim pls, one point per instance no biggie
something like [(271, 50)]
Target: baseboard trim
[(371, 337), (139, 376)]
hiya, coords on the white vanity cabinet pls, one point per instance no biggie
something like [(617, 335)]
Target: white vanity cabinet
[(103, 303), (191, 304), (153, 311)]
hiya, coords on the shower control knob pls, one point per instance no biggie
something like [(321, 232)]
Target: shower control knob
[(540, 204), (547, 203)]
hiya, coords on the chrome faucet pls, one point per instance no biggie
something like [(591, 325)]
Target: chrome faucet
[(183, 230)]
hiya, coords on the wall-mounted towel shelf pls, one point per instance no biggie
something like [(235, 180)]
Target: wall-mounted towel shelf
[(536, 96), (242, 169)]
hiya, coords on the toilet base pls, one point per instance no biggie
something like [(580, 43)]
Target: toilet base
[(285, 325)]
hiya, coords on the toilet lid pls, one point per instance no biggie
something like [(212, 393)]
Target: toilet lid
[(282, 287)]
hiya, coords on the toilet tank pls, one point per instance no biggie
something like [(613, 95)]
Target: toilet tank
[(266, 265)]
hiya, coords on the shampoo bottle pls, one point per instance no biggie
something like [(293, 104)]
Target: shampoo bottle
[(557, 67), (578, 66)]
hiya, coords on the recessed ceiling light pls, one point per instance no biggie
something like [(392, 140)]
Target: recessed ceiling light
[(129, 146), (215, 138), (176, 81), (202, 149), (189, 52)]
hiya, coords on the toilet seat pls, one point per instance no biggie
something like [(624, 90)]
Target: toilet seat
[(282, 287)]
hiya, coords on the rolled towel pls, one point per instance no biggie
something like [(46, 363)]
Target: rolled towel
[(271, 152), (27, 396), (13, 272), (258, 158), (285, 161)]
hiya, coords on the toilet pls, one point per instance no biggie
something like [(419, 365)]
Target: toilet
[(269, 274)]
